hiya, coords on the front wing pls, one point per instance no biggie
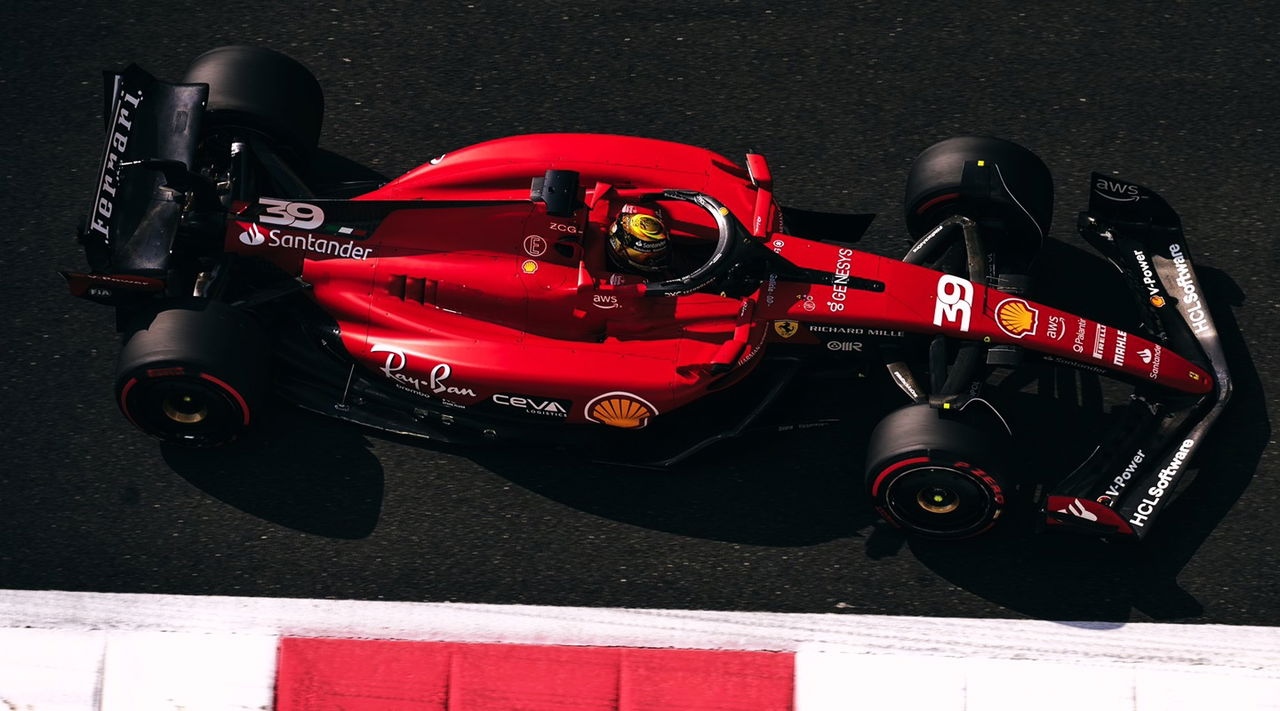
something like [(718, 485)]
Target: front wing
[(1134, 473)]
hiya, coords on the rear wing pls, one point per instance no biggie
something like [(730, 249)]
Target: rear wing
[(152, 128), (1130, 479)]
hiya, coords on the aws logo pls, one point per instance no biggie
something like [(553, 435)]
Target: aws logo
[(1117, 190), (1017, 318)]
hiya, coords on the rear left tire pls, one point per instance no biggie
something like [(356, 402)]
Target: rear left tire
[(193, 373)]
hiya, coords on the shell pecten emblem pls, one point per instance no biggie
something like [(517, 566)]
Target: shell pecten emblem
[(620, 409), (1017, 318)]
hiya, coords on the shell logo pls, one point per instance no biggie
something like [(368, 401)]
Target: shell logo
[(1016, 317), (620, 409)]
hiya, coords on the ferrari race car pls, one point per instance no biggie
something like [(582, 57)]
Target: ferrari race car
[(470, 300)]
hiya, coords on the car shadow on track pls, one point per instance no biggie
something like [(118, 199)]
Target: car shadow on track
[(306, 472), (1072, 578), (777, 488)]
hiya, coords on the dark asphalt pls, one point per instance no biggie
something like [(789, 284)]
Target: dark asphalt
[(840, 96)]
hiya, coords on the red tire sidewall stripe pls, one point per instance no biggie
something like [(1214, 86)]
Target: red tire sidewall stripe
[(244, 406), (940, 199), (124, 401), (875, 487)]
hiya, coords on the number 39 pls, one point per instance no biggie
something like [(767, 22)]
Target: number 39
[(298, 215), (955, 300)]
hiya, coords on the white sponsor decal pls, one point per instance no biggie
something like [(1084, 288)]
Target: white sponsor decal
[(856, 331), (535, 245), (604, 301), (1189, 299), (954, 303), (1117, 191), (1118, 354), (298, 215), (1155, 493), (103, 201), (1099, 341), (1121, 481), (436, 382), (1148, 278), (305, 243), (531, 405), (844, 346), (1076, 508), (840, 284), (1077, 344), (1057, 328), (253, 236), (562, 227)]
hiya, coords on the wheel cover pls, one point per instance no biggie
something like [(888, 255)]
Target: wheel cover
[(185, 407), (939, 499)]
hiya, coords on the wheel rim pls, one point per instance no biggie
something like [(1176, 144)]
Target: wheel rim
[(185, 408), (946, 501)]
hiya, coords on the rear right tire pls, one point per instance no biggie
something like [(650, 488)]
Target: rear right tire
[(263, 90)]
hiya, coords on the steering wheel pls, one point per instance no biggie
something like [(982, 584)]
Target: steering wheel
[(717, 265)]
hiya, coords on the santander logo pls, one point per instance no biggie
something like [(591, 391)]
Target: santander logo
[(252, 236)]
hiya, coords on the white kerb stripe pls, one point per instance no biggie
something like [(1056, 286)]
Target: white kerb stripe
[(833, 680), (50, 670), (163, 671)]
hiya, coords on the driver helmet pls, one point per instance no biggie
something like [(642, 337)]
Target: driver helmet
[(639, 239)]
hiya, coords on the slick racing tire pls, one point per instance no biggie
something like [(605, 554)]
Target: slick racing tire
[(983, 178), (934, 476), (264, 90), (193, 373)]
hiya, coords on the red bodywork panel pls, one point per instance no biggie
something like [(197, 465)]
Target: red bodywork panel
[(477, 297)]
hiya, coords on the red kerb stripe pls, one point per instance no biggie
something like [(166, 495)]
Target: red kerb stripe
[(369, 675)]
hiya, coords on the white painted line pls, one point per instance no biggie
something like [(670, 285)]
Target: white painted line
[(1224, 646), (50, 670), (164, 671), (1191, 689), (845, 681), (833, 680)]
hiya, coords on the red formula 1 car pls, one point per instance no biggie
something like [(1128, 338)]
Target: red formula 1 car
[(471, 299)]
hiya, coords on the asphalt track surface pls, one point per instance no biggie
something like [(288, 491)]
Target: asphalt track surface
[(840, 97)]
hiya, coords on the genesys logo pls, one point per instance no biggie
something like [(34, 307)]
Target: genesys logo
[(435, 384), (534, 404)]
